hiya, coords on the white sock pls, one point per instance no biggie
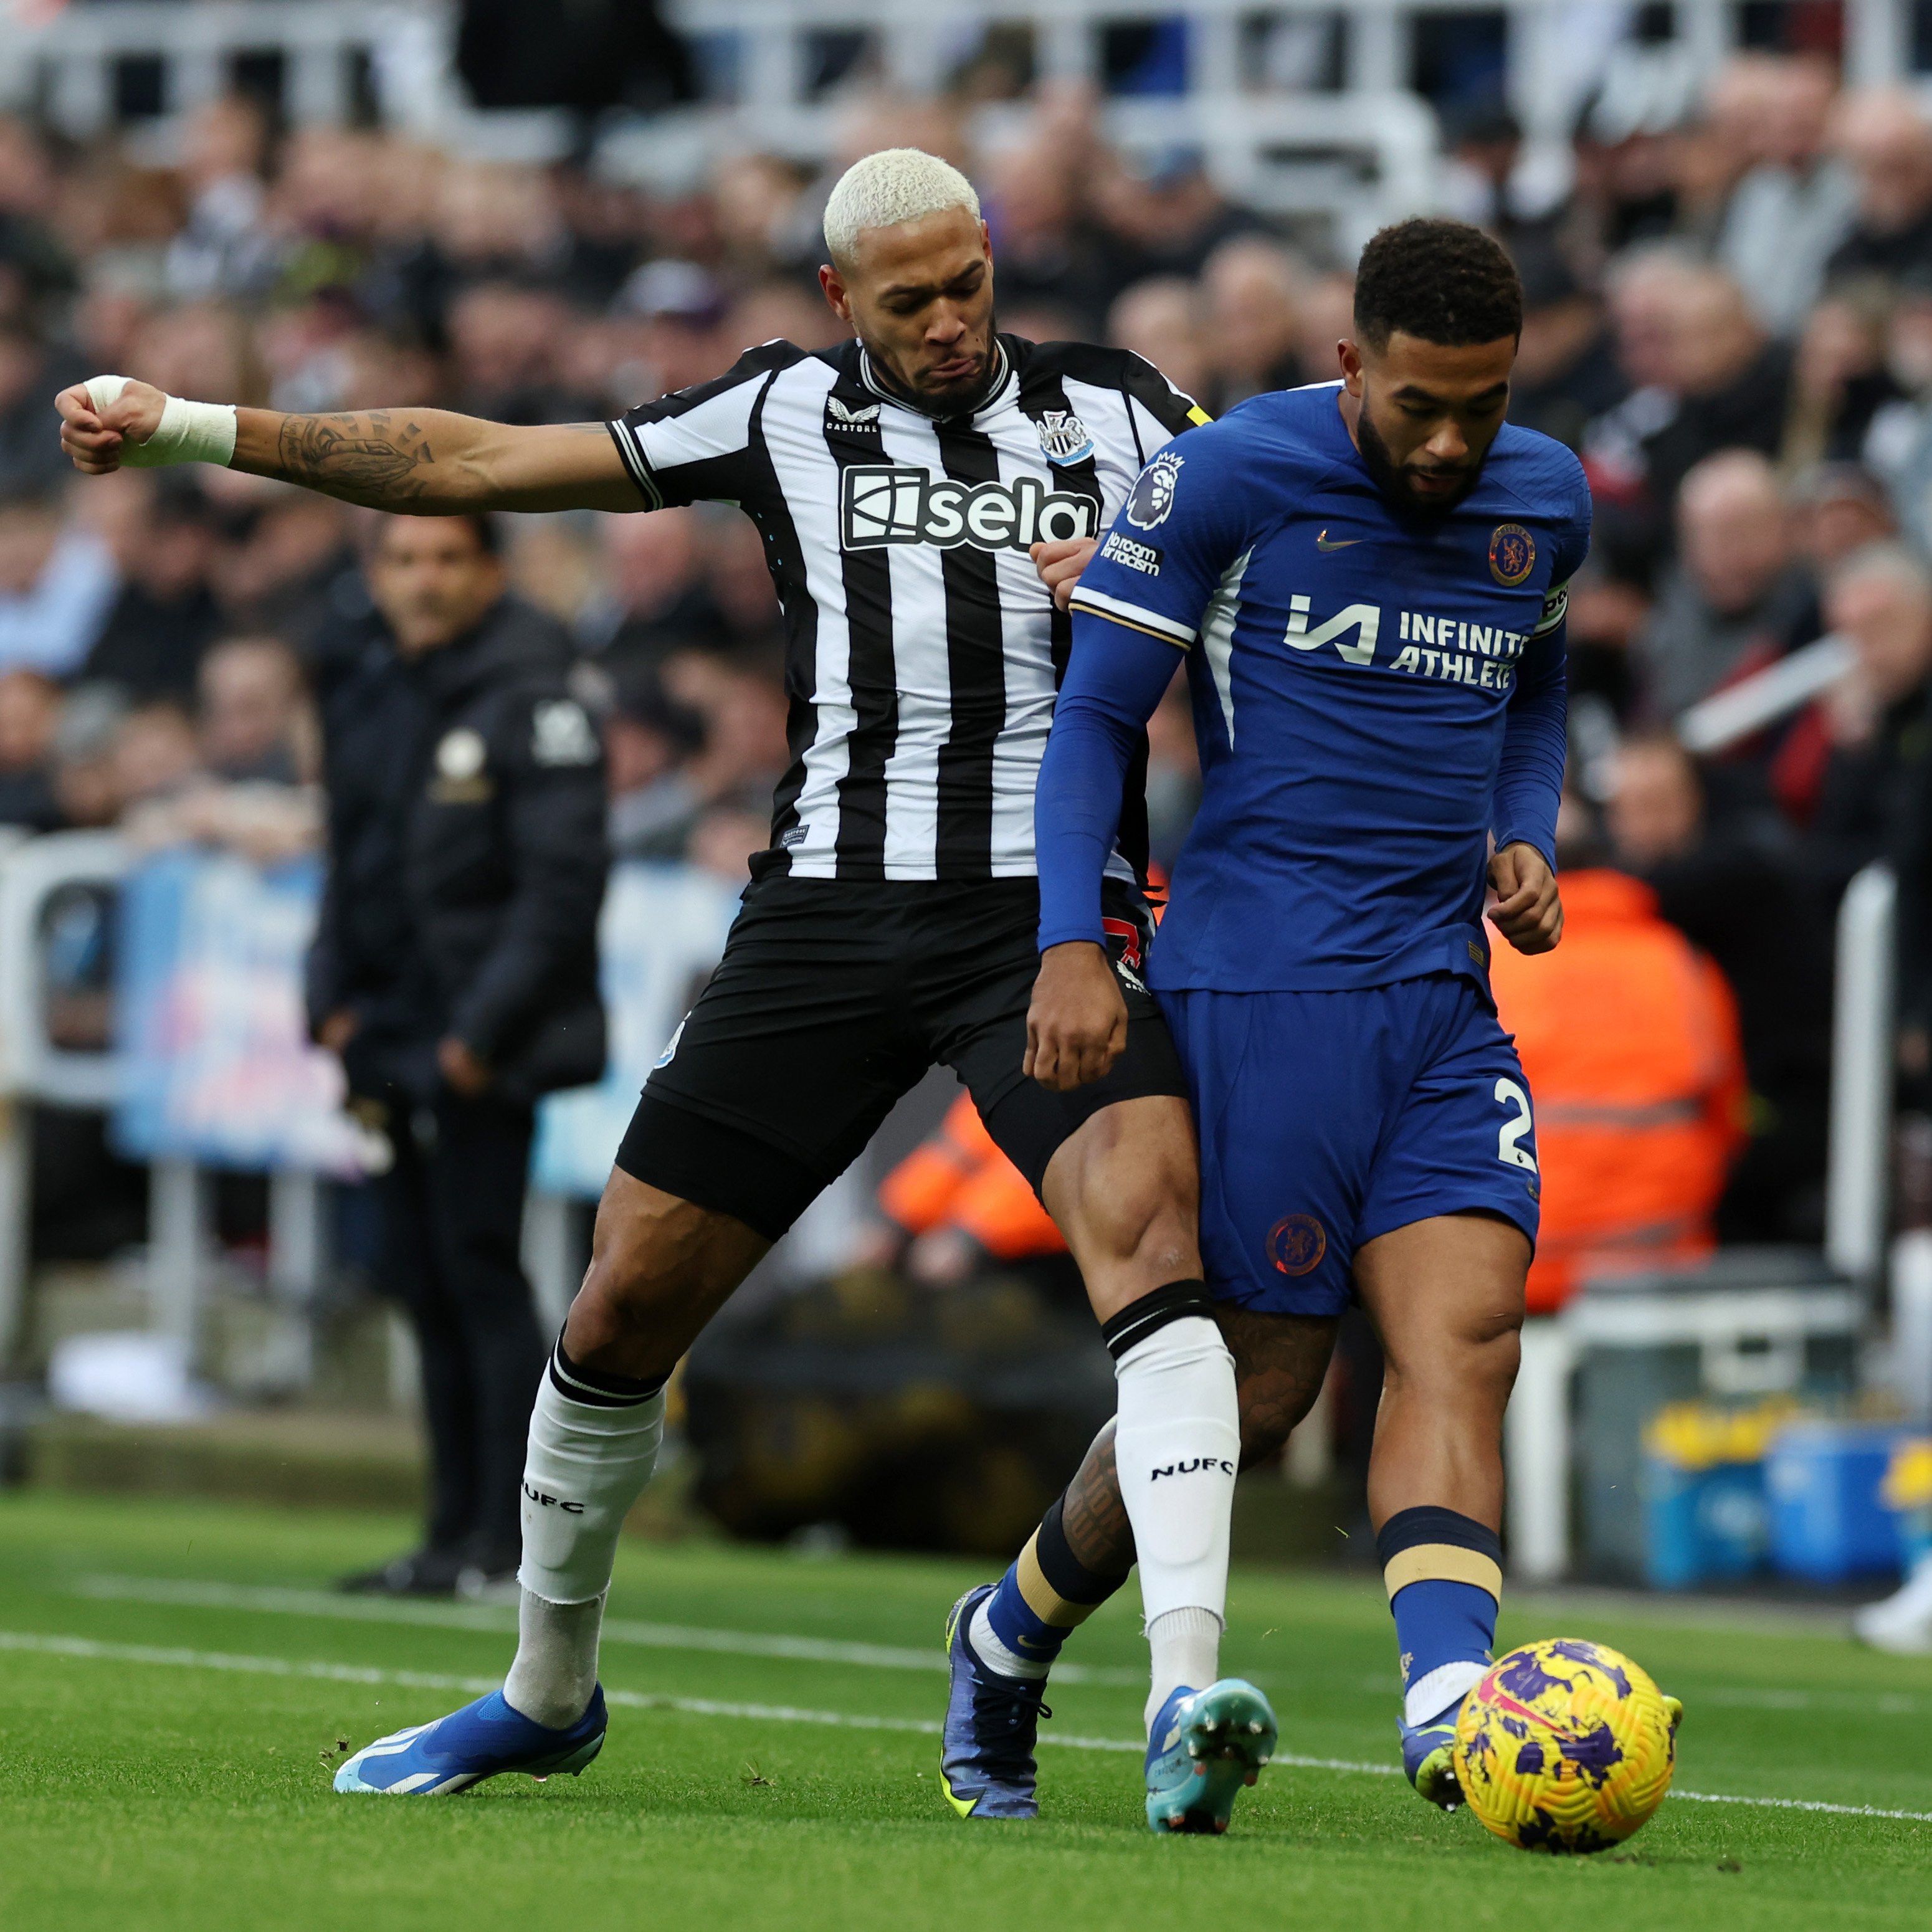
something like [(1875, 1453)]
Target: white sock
[(995, 1655), (1177, 1445), (590, 1454), (556, 1670), (1428, 1697), (1186, 1647)]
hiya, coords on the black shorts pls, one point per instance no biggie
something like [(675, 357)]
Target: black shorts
[(833, 998)]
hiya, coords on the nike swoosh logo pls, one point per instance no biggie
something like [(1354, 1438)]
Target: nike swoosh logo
[(1347, 543)]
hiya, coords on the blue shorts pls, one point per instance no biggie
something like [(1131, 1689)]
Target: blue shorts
[(1327, 1119)]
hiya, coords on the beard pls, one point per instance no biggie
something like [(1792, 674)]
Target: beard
[(958, 397), (1391, 478)]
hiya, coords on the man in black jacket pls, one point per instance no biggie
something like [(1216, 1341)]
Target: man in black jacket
[(455, 973)]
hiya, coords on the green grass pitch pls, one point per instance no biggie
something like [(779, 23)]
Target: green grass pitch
[(173, 1692)]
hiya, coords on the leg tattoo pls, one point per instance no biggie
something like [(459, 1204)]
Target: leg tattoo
[(1094, 1517), (1280, 1362)]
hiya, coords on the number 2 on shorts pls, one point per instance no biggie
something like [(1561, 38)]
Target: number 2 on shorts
[(1510, 1150)]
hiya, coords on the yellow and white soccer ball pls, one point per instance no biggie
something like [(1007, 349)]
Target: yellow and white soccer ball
[(1565, 1746)]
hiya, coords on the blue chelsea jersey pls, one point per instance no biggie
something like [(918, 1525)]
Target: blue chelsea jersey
[(1352, 670)]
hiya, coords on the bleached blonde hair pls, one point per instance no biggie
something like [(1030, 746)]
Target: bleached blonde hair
[(881, 189)]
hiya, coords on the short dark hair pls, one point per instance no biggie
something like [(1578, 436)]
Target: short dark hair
[(483, 526), (489, 531), (1442, 281)]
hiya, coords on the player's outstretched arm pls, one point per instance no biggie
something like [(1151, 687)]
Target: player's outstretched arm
[(422, 462)]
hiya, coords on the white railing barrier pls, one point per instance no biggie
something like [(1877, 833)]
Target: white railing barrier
[(1909, 1362), (32, 1067), (663, 928), (1250, 136), (1537, 1446), (1740, 710), (1536, 1452), (179, 1242), (553, 1255), (1858, 1171), (71, 55)]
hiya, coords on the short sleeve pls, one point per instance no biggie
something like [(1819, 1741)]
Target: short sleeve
[(695, 445), (1182, 527), (1160, 410)]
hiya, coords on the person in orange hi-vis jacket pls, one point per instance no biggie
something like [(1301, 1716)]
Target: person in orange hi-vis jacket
[(1629, 1037), (958, 1178)]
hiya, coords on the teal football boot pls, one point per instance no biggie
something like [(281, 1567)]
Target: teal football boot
[(1206, 1745)]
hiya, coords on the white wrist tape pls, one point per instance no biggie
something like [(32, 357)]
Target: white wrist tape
[(189, 432)]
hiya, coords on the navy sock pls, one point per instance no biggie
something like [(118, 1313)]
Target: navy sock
[(1046, 1593), (1444, 1573)]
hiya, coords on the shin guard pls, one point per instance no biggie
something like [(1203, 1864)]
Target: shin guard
[(1177, 1445), (593, 1444)]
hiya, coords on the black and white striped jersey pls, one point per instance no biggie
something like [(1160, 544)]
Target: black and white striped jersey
[(922, 651)]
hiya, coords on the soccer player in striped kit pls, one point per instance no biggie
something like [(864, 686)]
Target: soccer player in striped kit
[(926, 493)]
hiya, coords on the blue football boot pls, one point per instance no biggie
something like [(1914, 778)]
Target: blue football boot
[(1429, 1757), (1205, 1746), (985, 1750), (478, 1742)]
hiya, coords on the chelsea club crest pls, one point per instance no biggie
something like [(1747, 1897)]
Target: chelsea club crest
[(1512, 554), (1063, 437)]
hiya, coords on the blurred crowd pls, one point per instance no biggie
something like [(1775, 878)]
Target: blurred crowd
[(1728, 316)]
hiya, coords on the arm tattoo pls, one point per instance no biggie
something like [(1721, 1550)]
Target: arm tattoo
[(372, 457)]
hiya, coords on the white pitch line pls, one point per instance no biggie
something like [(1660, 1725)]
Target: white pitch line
[(1805, 1804), (91, 1649), (492, 1618), (88, 1648), (1883, 1704)]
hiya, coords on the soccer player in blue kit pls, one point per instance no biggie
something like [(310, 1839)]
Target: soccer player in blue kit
[(1366, 580)]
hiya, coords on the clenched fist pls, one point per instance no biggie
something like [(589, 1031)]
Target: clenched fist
[(1059, 564), (1077, 1023), (1527, 912), (95, 439)]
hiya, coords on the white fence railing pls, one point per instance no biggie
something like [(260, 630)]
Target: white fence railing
[(69, 60), (1359, 156), (1857, 1214), (773, 42), (215, 1069), (32, 1068), (1858, 1191)]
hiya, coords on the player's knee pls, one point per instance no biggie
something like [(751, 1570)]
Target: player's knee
[(1126, 1186), (646, 1242), (1496, 1353), (1163, 1237), (1478, 1352)]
